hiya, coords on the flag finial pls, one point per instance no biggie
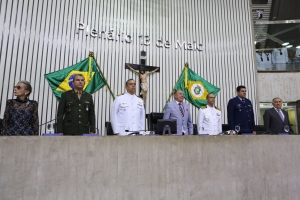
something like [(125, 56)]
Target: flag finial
[(186, 64), (91, 54)]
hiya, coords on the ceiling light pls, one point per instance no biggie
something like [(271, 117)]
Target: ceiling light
[(298, 47), (286, 43), (289, 46)]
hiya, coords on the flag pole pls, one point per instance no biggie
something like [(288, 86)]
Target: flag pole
[(112, 94), (185, 65)]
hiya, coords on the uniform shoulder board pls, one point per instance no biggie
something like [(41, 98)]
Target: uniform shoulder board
[(218, 108), (120, 94), (203, 107)]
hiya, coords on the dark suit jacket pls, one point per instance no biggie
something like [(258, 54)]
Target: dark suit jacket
[(239, 113), (78, 118), (273, 122)]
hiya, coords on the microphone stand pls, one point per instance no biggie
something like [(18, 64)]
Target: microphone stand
[(90, 127), (52, 120), (135, 132)]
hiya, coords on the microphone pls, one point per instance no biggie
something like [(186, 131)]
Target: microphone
[(87, 125), (52, 120), (137, 132), (267, 132)]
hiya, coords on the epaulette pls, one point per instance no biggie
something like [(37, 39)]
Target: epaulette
[(120, 94), (203, 107), (218, 108)]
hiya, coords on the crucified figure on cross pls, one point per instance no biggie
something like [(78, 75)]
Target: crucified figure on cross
[(143, 77)]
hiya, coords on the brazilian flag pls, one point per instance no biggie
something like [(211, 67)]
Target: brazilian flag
[(62, 80), (194, 87)]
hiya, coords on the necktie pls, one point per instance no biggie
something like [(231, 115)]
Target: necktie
[(280, 114), (181, 110)]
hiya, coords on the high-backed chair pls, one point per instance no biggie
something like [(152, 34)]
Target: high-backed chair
[(260, 129), (109, 130), (152, 121), (225, 127), (1, 125), (195, 130)]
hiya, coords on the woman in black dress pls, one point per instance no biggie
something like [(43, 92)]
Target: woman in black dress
[(21, 114)]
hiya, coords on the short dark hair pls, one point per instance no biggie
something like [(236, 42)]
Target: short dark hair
[(128, 81), (77, 75), (240, 87), (209, 94), (27, 87)]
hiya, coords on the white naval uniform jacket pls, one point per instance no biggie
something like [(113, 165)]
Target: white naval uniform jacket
[(127, 113), (280, 59), (209, 121), (263, 60)]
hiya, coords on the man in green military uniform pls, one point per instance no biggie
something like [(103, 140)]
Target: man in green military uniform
[(76, 114)]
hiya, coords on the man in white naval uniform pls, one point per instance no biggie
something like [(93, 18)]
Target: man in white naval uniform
[(127, 111), (263, 58), (209, 117), (280, 57)]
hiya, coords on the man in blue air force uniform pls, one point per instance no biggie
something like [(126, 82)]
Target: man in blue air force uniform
[(240, 112), (127, 111), (181, 112), (209, 117)]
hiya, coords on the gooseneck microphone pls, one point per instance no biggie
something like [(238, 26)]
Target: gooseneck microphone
[(69, 106), (87, 125), (137, 132), (52, 120)]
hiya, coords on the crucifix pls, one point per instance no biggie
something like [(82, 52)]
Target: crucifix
[(142, 70)]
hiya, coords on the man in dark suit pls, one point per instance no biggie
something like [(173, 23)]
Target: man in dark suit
[(181, 112), (240, 112), (275, 118), (76, 114)]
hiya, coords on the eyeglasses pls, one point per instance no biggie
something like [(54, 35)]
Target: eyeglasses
[(17, 87)]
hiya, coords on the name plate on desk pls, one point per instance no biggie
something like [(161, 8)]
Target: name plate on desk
[(89, 134), (283, 133), (52, 134)]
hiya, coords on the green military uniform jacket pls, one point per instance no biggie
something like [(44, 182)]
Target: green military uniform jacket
[(78, 114)]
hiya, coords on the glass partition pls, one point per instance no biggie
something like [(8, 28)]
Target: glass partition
[(277, 45)]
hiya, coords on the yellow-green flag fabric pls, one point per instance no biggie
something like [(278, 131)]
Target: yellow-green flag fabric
[(62, 80), (195, 88)]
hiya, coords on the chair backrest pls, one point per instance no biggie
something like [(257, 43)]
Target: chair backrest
[(1, 125), (195, 130), (152, 121), (225, 127), (260, 129), (109, 130)]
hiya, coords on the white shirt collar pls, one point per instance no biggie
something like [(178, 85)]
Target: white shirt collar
[(277, 109), (179, 102), (130, 94)]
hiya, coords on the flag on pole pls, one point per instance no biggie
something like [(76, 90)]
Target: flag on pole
[(194, 87), (62, 80)]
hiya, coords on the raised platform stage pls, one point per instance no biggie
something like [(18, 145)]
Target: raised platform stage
[(150, 168)]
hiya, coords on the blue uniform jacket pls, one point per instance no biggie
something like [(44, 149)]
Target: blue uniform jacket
[(240, 113)]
